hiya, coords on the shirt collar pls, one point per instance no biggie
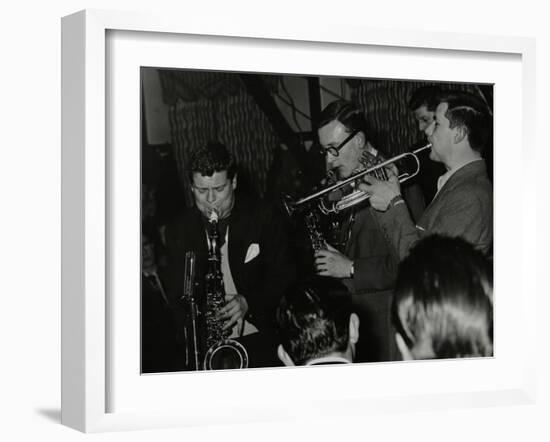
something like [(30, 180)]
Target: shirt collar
[(328, 359), (447, 175)]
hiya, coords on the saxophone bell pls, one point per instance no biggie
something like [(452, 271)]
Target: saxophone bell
[(226, 355)]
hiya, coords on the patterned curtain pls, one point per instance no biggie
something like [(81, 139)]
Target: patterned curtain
[(215, 106), (392, 128), (223, 112)]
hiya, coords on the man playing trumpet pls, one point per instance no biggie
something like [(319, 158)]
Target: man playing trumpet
[(365, 264), (342, 136), (463, 204)]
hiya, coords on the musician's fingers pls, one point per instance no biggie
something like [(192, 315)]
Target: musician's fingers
[(230, 304), (230, 322), (322, 254), (369, 180), (324, 261), (223, 313), (229, 310), (392, 169), (393, 175), (363, 187), (327, 271), (238, 312), (319, 266)]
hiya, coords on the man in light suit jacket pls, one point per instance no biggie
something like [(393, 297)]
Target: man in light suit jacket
[(463, 204), (255, 261)]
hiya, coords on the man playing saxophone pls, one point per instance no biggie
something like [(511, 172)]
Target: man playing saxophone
[(256, 265)]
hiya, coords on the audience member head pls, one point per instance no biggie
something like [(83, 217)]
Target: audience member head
[(213, 179), (314, 325), (423, 103), (342, 135), (442, 306)]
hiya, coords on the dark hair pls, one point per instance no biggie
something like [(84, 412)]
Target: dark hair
[(428, 96), (443, 297), (212, 157), (313, 325), (470, 113), (347, 113)]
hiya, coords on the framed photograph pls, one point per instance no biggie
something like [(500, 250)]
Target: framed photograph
[(142, 93)]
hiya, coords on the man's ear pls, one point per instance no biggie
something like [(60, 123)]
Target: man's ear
[(360, 140), (234, 181), (405, 351), (353, 328), (284, 357), (460, 134)]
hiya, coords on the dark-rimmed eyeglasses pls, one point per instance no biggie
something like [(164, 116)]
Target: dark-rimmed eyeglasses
[(335, 151)]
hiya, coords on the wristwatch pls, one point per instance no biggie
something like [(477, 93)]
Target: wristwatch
[(396, 200), (351, 270)]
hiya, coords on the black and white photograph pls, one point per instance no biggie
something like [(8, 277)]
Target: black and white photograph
[(286, 221), (292, 220)]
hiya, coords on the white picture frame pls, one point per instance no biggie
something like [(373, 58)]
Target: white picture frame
[(87, 205)]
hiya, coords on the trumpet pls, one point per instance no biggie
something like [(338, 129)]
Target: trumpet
[(337, 202)]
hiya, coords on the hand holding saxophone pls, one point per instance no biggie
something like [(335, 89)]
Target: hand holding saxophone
[(235, 309), (382, 192), (331, 262)]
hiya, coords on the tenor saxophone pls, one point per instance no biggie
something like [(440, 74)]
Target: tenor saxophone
[(221, 351)]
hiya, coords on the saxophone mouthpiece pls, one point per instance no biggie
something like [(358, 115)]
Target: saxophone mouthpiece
[(213, 216)]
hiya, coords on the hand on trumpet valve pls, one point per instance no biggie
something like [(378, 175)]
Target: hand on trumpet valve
[(331, 262), (382, 192)]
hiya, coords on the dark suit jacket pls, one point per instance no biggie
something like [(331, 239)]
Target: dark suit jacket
[(375, 261), (261, 280), (375, 270), (375, 266)]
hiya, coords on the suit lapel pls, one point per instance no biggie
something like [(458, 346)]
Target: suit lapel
[(468, 172), (238, 238)]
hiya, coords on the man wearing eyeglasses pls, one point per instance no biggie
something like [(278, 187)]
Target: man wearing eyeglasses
[(365, 264), (342, 137), (256, 264)]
